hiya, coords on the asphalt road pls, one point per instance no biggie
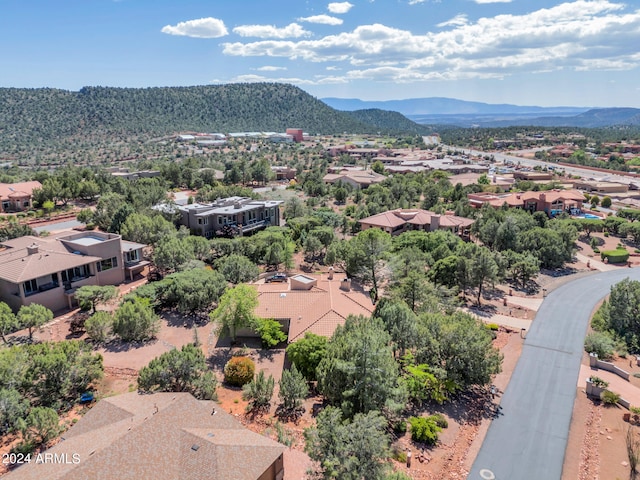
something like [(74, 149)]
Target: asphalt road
[(527, 440)]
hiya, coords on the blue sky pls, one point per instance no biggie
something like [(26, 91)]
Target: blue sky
[(525, 52)]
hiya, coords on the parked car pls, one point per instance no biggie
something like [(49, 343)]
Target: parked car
[(278, 277)]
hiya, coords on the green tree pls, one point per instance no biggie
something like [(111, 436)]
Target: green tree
[(106, 209), (92, 295), (145, 229), (270, 332), (606, 202), (171, 253), (33, 317), (359, 373), (366, 260), (183, 370), (238, 269), (460, 345), (293, 390), (48, 206), (8, 321), (135, 321), (259, 392), (12, 408), (484, 270), (99, 326), (307, 353), (349, 450), (400, 322), (235, 310), (41, 425), (192, 291), (624, 305)]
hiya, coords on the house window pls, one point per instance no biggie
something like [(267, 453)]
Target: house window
[(26, 203), (30, 287), (75, 274), (203, 220), (107, 264), (132, 256)]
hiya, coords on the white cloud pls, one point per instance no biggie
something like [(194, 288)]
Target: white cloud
[(416, 2), (492, 1), (578, 35), (293, 30), (270, 68), (317, 80), (457, 21), (201, 28), (322, 19), (339, 7)]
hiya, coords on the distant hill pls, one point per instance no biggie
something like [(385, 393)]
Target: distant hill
[(447, 106), (389, 122), (33, 116), (595, 118)]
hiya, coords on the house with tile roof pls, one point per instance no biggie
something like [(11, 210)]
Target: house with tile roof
[(400, 220), (552, 202), (161, 436), (48, 270), (16, 197), (312, 303), (355, 178)]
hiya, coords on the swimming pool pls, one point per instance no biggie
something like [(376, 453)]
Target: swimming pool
[(589, 216)]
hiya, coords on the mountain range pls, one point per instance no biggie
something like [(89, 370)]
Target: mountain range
[(450, 111)]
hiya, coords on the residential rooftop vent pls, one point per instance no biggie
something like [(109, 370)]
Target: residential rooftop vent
[(195, 447)]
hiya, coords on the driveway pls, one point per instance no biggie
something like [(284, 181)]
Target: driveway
[(527, 440)]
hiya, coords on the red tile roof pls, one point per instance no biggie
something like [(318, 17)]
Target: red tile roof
[(319, 310)]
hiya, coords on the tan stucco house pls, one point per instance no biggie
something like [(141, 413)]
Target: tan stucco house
[(48, 270)]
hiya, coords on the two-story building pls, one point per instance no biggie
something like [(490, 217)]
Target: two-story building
[(48, 270), (242, 214)]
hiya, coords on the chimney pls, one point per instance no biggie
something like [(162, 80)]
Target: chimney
[(345, 285), (435, 223), (32, 249), (543, 197), (236, 205)]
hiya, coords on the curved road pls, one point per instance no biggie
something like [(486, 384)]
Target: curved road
[(528, 439)]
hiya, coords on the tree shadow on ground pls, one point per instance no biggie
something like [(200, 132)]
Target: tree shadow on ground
[(176, 319), (117, 346), (471, 406)]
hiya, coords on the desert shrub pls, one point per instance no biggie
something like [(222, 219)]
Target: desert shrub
[(609, 398), (424, 430), (399, 455), (598, 382), (239, 371), (440, 420), (601, 344), (493, 326), (400, 427), (606, 234), (98, 326), (619, 255)]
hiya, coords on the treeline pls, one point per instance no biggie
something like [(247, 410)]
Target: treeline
[(484, 137)]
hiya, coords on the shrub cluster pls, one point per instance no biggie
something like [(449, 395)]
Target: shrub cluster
[(239, 371)]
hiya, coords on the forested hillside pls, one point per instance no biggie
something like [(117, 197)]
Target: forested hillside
[(46, 114), (389, 122)]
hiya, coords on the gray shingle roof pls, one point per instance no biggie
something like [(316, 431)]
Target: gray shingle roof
[(161, 436)]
